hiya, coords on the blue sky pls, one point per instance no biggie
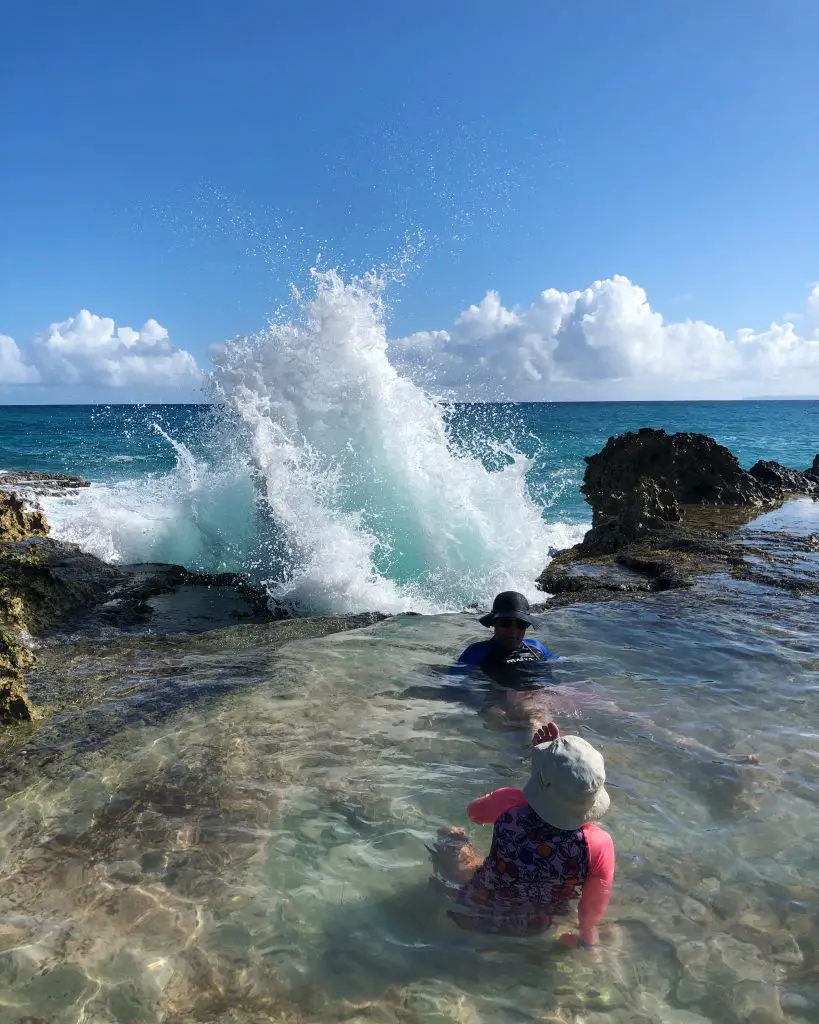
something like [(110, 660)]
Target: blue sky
[(184, 162)]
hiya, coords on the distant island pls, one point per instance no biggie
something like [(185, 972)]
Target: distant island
[(782, 398)]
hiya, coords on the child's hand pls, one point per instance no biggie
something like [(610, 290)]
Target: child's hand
[(545, 734)]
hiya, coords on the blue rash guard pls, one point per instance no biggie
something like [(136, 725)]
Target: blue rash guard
[(521, 669)]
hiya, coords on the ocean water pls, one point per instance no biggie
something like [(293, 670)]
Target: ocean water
[(357, 512), (231, 827), (338, 484)]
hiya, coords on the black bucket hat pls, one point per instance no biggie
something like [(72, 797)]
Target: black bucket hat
[(508, 605)]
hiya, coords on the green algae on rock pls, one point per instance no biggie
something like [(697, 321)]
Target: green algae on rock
[(14, 703), (17, 522)]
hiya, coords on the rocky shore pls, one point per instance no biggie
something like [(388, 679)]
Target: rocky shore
[(52, 592), (667, 508)]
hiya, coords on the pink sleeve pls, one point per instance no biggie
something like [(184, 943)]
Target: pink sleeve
[(487, 809), (597, 887)]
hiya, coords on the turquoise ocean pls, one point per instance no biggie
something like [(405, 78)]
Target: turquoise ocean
[(339, 515), (230, 826)]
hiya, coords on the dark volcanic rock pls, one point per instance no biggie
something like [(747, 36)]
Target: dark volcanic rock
[(663, 508), (41, 483), (775, 480), (648, 508), (691, 468), (639, 482)]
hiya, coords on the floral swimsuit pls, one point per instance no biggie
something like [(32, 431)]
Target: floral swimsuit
[(533, 871)]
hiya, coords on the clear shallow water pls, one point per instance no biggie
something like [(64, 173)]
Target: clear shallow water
[(232, 831), (259, 854)]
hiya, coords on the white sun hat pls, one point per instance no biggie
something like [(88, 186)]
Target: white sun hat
[(567, 787)]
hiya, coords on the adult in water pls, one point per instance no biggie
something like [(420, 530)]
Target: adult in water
[(514, 662), (509, 647), (546, 848), (523, 694)]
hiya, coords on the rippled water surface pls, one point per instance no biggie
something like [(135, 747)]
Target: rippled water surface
[(256, 851)]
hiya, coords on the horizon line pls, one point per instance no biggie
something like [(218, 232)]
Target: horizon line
[(545, 401)]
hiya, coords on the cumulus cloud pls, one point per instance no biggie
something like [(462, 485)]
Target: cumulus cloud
[(91, 350), (13, 368), (607, 342)]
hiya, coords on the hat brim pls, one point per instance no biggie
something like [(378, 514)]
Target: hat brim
[(490, 617), (561, 814)]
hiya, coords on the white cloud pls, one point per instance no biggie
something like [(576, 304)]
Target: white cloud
[(607, 342), (91, 350), (13, 368)]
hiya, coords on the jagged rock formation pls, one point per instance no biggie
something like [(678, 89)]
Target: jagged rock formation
[(662, 508), (640, 481)]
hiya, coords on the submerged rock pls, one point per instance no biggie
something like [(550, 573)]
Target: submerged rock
[(61, 594), (47, 586)]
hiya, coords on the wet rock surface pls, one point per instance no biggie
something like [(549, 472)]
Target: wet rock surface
[(15, 705), (33, 482), (691, 469), (17, 521), (53, 593), (667, 508)]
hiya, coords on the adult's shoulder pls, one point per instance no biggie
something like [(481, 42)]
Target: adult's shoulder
[(535, 645), (475, 653)]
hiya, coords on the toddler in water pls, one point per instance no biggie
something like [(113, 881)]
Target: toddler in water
[(545, 848)]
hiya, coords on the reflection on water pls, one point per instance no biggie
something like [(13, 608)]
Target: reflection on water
[(260, 854)]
